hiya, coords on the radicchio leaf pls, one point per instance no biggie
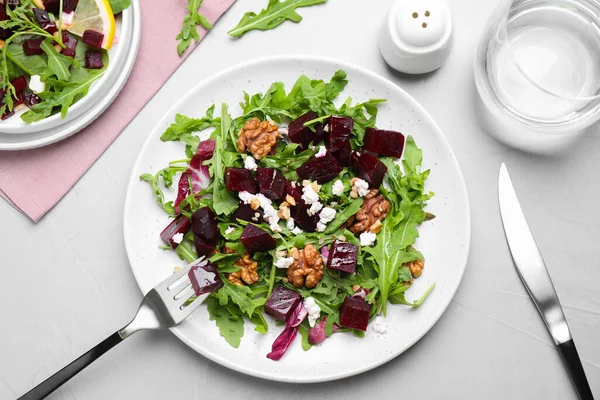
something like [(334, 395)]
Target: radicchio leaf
[(361, 293), (198, 173), (285, 338), (317, 334)]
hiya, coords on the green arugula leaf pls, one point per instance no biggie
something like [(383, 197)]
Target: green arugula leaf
[(189, 31), (231, 326), (183, 128), (58, 64), (118, 6), (336, 85), (240, 296), (303, 329), (276, 13), (223, 201), (342, 217), (166, 176), (32, 65)]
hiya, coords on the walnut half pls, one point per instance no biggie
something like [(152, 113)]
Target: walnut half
[(374, 210), (415, 267), (258, 137), (307, 268), (247, 273)]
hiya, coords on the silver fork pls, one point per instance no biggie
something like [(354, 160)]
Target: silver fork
[(163, 307)]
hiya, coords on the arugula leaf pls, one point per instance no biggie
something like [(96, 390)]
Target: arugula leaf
[(342, 217), (58, 64), (188, 30), (32, 65), (287, 160), (231, 326), (276, 13), (336, 85), (183, 127), (118, 6), (240, 296), (166, 175), (223, 201)]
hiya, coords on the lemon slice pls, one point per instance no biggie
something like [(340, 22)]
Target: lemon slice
[(95, 15)]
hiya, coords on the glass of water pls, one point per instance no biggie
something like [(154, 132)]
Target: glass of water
[(537, 71)]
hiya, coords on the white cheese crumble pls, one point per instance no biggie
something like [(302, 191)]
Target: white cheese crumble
[(178, 238), (290, 223), (270, 213), (326, 128), (321, 153), (314, 311), (361, 187), (297, 231), (380, 324), (36, 84), (315, 208), (321, 227), (309, 195), (284, 262), (250, 163), (367, 238), (229, 230), (327, 215), (338, 188)]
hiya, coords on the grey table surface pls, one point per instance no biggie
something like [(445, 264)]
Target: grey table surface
[(65, 283)]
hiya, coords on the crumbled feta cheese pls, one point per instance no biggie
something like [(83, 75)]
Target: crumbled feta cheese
[(269, 212), (284, 262), (367, 238), (380, 324), (315, 208), (327, 215), (284, 131), (338, 188), (36, 84), (297, 231), (309, 195), (256, 217), (177, 238), (250, 163), (229, 230), (361, 187), (312, 147), (306, 182), (321, 227), (326, 128), (291, 224), (314, 311), (321, 153)]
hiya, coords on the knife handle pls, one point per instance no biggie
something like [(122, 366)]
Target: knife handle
[(571, 358)]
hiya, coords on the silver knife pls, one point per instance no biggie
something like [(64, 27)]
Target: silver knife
[(532, 271)]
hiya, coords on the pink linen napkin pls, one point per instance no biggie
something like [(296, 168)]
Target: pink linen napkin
[(28, 178)]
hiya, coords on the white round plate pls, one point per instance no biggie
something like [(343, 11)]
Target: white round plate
[(444, 241), (16, 135)]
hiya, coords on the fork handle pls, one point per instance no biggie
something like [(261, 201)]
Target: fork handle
[(55, 381)]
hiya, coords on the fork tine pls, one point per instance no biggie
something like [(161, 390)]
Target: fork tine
[(167, 283), (187, 310)]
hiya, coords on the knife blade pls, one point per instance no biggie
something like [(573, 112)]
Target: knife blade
[(531, 268)]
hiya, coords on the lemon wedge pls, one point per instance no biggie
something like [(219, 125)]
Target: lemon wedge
[(95, 15)]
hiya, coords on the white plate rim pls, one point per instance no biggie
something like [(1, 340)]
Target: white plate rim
[(95, 110), (346, 66)]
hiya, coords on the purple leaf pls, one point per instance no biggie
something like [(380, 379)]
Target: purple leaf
[(198, 173), (285, 338), (317, 334)]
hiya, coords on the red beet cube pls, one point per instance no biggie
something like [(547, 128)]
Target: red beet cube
[(4, 33), (70, 45), (245, 212), (30, 98), (255, 239), (204, 278), (354, 313), (19, 83), (12, 4), (179, 225), (321, 169), (342, 257), (92, 38), (294, 189), (52, 6), (368, 168), (385, 143), (344, 155), (282, 302), (31, 47), (239, 180), (93, 60), (338, 132), (204, 225), (69, 5), (271, 183), (300, 214), (303, 135), (203, 248), (44, 21)]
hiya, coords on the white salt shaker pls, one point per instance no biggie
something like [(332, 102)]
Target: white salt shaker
[(416, 36)]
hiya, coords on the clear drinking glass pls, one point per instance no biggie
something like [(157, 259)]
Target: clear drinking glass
[(537, 71)]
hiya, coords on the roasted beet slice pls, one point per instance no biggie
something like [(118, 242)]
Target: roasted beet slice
[(92, 38), (255, 239), (338, 132), (203, 248), (44, 21), (271, 183), (204, 225), (70, 45), (52, 6), (354, 313), (69, 5), (239, 180), (93, 60), (300, 214), (321, 169), (384, 143), (179, 225), (12, 4), (31, 47), (303, 135), (344, 155), (204, 278), (4, 33), (294, 189), (30, 98), (368, 168), (19, 83), (245, 212), (282, 302), (342, 257)]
